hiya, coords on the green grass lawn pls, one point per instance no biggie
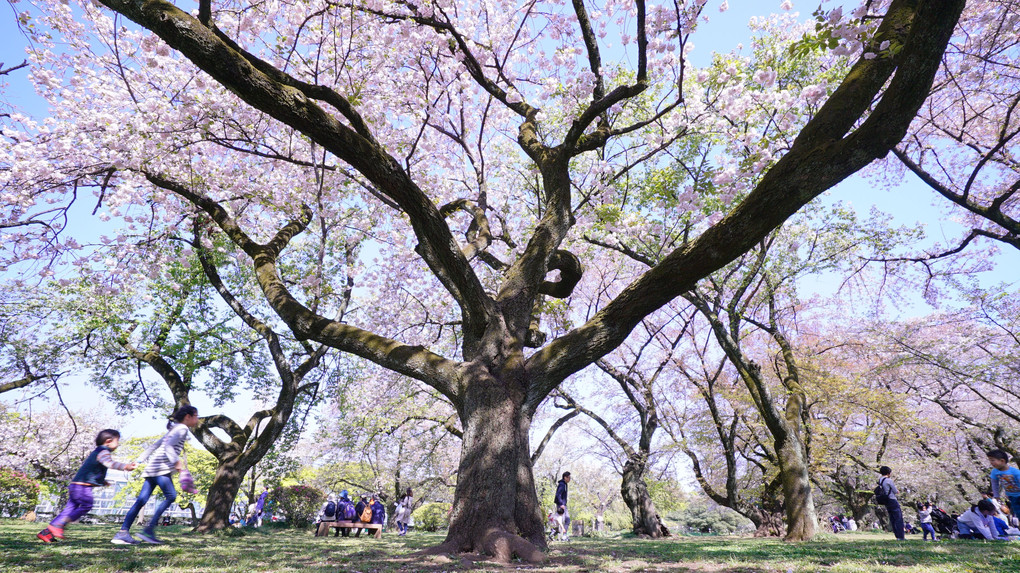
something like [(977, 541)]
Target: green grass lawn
[(88, 549)]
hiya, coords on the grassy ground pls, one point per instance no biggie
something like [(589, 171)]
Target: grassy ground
[(88, 549)]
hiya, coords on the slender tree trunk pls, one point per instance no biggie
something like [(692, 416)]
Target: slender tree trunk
[(645, 517), (767, 524), (194, 517), (801, 519), (496, 510), (222, 493)]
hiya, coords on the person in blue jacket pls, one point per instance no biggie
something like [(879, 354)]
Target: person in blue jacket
[(378, 511), (561, 503)]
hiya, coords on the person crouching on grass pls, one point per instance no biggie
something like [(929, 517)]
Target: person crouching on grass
[(91, 474)]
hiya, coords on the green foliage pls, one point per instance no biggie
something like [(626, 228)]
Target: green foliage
[(298, 503), (819, 41), (432, 516), (18, 493), (703, 518), (667, 495)]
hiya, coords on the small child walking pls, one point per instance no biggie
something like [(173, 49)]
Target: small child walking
[(91, 474), (924, 517), (166, 458)]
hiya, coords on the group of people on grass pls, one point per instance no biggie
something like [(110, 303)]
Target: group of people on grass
[(369, 509), (164, 457), (986, 519)]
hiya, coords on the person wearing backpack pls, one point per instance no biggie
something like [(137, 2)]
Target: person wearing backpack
[(885, 494), (328, 512), (378, 511), (363, 513), (345, 512)]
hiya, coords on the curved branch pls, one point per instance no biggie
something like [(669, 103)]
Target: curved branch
[(570, 274), (821, 156), (552, 430), (271, 91)]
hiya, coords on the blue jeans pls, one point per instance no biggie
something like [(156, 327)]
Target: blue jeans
[(1014, 505), (895, 518), (151, 483), (927, 528)]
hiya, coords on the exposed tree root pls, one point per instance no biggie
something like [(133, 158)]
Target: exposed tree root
[(493, 545)]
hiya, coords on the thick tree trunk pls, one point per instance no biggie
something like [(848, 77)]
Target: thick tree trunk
[(222, 494), (801, 519), (496, 510), (644, 516)]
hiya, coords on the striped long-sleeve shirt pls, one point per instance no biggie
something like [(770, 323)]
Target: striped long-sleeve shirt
[(164, 453)]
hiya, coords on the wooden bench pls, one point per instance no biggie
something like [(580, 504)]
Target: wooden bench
[(324, 527)]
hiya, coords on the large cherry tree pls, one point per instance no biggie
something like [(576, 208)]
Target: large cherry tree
[(486, 137)]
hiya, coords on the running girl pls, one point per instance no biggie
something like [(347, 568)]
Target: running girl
[(166, 458)]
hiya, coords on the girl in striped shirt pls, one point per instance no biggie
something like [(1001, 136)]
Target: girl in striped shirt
[(164, 458)]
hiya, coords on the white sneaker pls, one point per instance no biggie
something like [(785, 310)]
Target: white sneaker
[(123, 538)]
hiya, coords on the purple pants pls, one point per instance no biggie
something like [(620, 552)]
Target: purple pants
[(79, 502)]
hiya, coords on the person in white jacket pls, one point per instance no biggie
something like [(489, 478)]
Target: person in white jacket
[(976, 522), (402, 515)]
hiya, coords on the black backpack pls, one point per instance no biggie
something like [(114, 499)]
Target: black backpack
[(881, 497), (330, 509)]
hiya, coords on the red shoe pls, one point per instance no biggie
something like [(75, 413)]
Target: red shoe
[(57, 532), (45, 535)]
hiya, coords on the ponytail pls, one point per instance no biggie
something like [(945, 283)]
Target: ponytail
[(178, 416)]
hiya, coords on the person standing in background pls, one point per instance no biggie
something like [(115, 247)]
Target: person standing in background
[(892, 504), (561, 503)]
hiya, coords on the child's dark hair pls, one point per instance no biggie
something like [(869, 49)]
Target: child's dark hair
[(885, 470), (998, 454), (181, 413), (986, 505), (106, 435)]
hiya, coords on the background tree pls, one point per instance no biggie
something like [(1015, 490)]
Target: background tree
[(965, 364), (195, 344), (753, 303), (49, 445), (639, 369), (709, 416)]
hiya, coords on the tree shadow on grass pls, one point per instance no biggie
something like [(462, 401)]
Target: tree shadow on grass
[(88, 550)]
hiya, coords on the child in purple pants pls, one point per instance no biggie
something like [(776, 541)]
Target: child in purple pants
[(92, 474)]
